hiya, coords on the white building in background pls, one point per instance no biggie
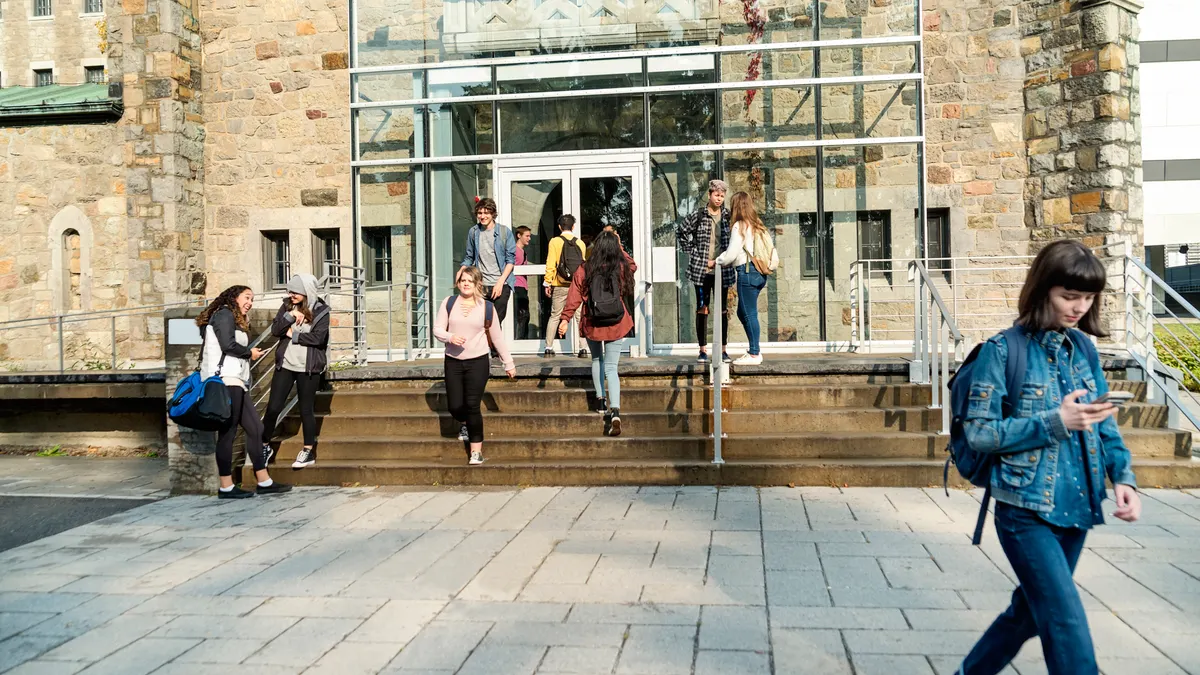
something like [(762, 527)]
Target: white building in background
[(1170, 69)]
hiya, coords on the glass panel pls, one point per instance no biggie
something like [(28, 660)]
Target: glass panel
[(683, 119), (769, 115), (455, 189), (869, 110), (572, 124), (678, 186), (569, 76), (535, 204), (869, 192), (874, 60), (778, 21), (461, 129), (847, 19), (607, 202), (388, 86), (752, 66), (783, 185), (693, 68), (471, 81), (391, 208), (390, 133)]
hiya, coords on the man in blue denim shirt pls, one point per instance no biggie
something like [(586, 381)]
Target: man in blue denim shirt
[(492, 248), (1053, 453)]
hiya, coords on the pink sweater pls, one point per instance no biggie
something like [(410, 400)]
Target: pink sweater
[(470, 327)]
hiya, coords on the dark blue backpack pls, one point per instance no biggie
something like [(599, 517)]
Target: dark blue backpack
[(976, 466), (200, 404)]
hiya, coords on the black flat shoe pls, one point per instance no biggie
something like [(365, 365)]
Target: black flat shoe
[(274, 489), (236, 493)]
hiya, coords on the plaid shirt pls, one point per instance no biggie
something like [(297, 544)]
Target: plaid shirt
[(694, 235)]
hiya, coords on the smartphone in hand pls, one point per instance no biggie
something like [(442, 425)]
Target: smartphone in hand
[(1117, 398)]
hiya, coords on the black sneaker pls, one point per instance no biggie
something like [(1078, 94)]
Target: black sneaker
[(703, 358), (463, 434), (236, 493), (268, 453), (602, 406), (584, 354), (614, 422), (274, 489), (548, 354), (725, 357), (306, 458)]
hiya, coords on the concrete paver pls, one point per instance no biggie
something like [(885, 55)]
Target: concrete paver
[(574, 580)]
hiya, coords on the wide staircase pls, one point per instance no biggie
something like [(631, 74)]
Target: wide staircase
[(826, 420)]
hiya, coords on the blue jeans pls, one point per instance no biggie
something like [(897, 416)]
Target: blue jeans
[(750, 283), (1045, 605), (605, 357)]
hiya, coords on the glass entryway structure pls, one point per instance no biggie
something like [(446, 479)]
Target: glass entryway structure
[(621, 113)]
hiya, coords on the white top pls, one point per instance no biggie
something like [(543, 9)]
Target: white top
[(741, 249), (235, 372)]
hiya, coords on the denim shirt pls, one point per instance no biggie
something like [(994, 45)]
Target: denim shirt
[(505, 245), (1036, 451)]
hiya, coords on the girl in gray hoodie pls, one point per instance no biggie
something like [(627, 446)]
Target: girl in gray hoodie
[(302, 326)]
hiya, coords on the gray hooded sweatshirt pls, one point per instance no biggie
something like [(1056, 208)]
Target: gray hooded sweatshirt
[(295, 356)]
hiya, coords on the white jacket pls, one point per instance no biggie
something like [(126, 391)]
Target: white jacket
[(741, 249), (235, 370)]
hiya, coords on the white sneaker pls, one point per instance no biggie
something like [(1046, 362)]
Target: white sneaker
[(476, 458), (749, 360), (306, 458)]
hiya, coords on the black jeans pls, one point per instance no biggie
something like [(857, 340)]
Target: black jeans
[(501, 303), (242, 405), (1045, 605), (704, 297), (281, 385), (465, 381), (521, 331)]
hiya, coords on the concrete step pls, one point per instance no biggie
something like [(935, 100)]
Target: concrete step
[(1168, 473), (633, 399), (808, 445)]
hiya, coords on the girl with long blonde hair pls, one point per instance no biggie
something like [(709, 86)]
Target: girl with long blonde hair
[(752, 253)]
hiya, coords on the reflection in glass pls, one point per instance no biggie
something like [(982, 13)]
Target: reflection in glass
[(848, 19), (870, 60), (869, 110), (782, 65), (461, 129), (391, 219), (388, 86), (535, 204), (569, 76), (452, 203), (773, 115), (607, 201), (389, 133), (678, 186), (683, 119), (572, 124)]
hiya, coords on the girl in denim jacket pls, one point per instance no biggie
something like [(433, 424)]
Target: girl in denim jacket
[(1053, 453)]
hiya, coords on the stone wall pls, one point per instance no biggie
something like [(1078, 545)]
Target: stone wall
[(65, 43), (277, 132)]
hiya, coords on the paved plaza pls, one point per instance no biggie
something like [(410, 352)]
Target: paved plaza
[(571, 580)]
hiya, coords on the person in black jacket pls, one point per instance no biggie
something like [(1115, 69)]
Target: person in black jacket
[(302, 326), (225, 353)]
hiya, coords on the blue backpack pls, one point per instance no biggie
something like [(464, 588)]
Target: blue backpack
[(200, 404), (976, 466)]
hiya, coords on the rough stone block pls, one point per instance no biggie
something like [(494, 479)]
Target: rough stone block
[(266, 50), (1056, 211), (319, 197), (1113, 57), (276, 87), (979, 187), (1086, 202), (335, 61), (1111, 105), (1041, 146), (306, 28)]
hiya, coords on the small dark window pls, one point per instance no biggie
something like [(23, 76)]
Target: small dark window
[(43, 78), (327, 254), (377, 245), (93, 6), (277, 259), (42, 8), (810, 263), (874, 235), (94, 74)]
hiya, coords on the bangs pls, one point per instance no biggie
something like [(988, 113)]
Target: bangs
[(1084, 273)]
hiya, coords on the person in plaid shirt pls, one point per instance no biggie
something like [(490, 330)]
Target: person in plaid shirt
[(702, 241)]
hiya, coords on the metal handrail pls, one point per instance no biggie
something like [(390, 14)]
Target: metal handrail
[(932, 352), (717, 364)]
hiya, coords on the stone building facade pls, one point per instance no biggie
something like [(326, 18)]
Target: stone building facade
[(254, 144)]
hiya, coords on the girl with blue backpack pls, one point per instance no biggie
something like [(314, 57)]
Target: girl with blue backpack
[(225, 325), (1042, 444)]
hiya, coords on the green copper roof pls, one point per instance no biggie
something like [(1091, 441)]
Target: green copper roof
[(57, 103)]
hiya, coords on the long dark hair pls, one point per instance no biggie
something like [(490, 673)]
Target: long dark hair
[(1073, 266), (304, 308), (227, 298), (606, 256)]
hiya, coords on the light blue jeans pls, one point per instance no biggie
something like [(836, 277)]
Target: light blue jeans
[(605, 357)]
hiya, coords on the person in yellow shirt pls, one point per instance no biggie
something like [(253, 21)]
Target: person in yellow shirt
[(564, 258)]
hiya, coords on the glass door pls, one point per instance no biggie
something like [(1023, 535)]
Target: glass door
[(599, 196)]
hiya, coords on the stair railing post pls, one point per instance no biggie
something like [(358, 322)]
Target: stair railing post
[(62, 363), (717, 364), (112, 332)]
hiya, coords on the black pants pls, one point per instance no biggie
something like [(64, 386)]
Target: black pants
[(242, 405), (281, 386), (465, 382), (501, 303), (704, 302), (522, 303)]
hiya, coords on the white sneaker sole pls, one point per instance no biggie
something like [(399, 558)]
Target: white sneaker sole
[(302, 465), (473, 462)]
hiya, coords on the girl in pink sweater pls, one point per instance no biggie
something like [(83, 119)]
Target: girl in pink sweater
[(462, 324)]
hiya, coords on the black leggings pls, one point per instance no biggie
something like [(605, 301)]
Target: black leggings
[(281, 386), (704, 299), (242, 406), (465, 382)]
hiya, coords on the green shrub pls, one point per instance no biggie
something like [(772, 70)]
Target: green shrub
[(1173, 344)]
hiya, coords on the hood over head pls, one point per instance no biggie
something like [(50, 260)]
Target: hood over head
[(307, 285)]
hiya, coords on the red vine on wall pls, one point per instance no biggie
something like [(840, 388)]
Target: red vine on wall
[(756, 21)]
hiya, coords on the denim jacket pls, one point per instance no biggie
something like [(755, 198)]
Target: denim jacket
[(1031, 442), (505, 244)]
